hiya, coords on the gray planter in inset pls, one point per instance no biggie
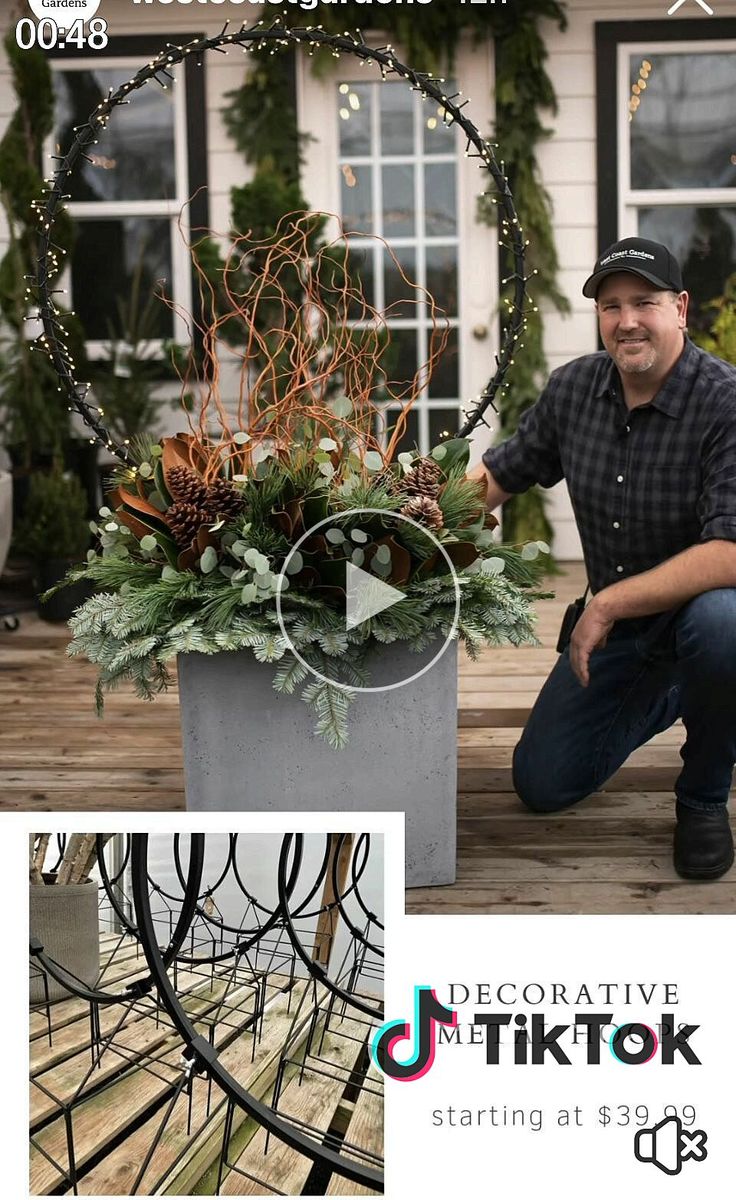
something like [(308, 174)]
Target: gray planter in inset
[(64, 919), (248, 748)]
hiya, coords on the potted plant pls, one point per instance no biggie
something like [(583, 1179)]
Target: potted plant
[(232, 547), (63, 912), (54, 533)]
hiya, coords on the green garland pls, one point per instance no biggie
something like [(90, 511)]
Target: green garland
[(262, 120)]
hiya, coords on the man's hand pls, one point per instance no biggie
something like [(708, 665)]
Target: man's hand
[(590, 633), (493, 495)]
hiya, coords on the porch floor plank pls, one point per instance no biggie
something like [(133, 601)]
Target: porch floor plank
[(56, 756)]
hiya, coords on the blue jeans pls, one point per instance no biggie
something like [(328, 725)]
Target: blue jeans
[(651, 671)]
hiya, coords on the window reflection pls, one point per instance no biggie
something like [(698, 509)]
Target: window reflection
[(398, 201), (354, 108), (123, 245), (682, 120), (704, 242), (439, 199), (134, 158), (397, 119)]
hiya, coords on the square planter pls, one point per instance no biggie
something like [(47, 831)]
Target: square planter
[(248, 748), (64, 917)]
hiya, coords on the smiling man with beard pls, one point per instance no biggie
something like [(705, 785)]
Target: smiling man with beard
[(644, 433)]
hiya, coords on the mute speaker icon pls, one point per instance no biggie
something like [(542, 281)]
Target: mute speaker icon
[(668, 1145)]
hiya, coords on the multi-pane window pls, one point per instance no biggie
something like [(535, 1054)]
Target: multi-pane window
[(126, 202), (398, 180), (678, 163)]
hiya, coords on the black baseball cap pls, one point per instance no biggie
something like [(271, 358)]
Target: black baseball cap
[(651, 260)]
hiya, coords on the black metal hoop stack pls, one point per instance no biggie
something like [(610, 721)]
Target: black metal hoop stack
[(268, 38), (203, 945)]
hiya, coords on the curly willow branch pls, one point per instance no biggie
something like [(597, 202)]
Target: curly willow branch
[(255, 38)]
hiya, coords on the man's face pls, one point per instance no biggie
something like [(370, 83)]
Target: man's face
[(640, 326)]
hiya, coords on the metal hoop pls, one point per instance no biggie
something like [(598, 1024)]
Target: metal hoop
[(276, 35)]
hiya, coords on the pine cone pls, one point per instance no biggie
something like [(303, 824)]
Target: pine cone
[(424, 479), (187, 487), (224, 500), (184, 521), (425, 510), (389, 480)]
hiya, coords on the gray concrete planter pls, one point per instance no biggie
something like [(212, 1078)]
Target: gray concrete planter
[(248, 748), (6, 515), (64, 918)]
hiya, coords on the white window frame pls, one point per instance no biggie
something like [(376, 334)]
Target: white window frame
[(631, 200), (176, 210)]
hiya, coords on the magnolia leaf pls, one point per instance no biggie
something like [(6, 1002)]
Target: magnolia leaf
[(208, 561), (453, 454), (158, 500)]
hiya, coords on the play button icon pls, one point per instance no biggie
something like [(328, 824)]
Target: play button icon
[(367, 596)]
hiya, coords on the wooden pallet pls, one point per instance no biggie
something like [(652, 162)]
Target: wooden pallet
[(116, 1125)]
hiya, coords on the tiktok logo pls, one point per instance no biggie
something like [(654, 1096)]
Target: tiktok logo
[(428, 1012)]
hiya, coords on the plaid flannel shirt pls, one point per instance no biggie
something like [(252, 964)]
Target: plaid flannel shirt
[(644, 483)]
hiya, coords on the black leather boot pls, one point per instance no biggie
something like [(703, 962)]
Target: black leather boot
[(703, 843)]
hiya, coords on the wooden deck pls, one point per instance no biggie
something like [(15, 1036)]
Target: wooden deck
[(121, 1105), (611, 854)]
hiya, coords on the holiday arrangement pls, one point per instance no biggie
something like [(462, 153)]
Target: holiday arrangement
[(238, 533)]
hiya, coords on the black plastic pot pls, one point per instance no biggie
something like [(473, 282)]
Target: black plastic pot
[(62, 604)]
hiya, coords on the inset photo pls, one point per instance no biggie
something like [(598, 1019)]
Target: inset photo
[(202, 1008)]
